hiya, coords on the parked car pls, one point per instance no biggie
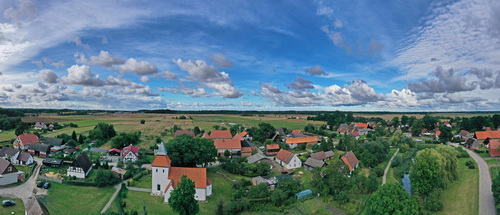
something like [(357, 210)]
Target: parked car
[(39, 183), (46, 185), (7, 203)]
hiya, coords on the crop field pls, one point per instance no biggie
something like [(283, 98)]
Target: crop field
[(390, 116)]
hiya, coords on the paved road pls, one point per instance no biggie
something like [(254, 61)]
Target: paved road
[(486, 201), (388, 166), (26, 191)]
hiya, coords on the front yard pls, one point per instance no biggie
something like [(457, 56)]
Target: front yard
[(16, 209), (462, 196), (68, 199)]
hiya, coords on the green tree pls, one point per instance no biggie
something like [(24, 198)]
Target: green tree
[(143, 121), (21, 128), (392, 199), (417, 127), (187, 151), (216, 127), (446, 134), (182, 198), (263, 131), (426, 172), (404, 120), (396, 138), (102, 131), (73, 136), (104, 178), (81, 139), (196, 130), (125, 139)]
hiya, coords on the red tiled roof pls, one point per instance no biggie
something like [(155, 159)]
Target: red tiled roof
[(296, 132), (494, 144), (356, 134), (244, 133), (132, 148), (463, 133), (162, 161), (197, 175), (28, 138), (227, 144), (115, 150), (272, 146), (482, 135), (351, 160), (246, 149), (364, 125), (221, 134), (301, 139), (183, 132), (238, 137), (284, 155), (205, 135)]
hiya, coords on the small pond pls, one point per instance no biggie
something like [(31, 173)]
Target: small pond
[(406, 183)]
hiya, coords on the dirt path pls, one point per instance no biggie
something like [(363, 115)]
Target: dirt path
[(117, 187), (486, 201), (387, 167)]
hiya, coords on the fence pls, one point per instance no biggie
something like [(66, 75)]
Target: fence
[(42, 177)]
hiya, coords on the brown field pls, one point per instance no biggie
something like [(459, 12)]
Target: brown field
[(46, 119)]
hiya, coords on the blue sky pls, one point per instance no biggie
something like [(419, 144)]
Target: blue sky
[(251, 55)]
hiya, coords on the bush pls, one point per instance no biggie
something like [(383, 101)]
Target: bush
[(472, 166), (143, 121), (341, 197), (123, 203), (468, 163), (433, 202), (378, 171), (397, 161)]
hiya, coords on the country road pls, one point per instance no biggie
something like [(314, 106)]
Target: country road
[(388, 166), (486, 201)]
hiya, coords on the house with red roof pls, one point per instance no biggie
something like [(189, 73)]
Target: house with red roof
[(295, 141), (233, 146), (244, 134), (482, 135), (221, 135), (130, 153), (288, 160), (493, 148), (166, 178), (24, 140), (272, 149), (351, 161)]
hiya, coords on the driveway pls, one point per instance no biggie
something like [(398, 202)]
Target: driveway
[(26, 191), (486, 200)]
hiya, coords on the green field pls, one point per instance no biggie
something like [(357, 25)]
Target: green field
[(68, 199), (144, 182), (462, 196), (16, 209), (7, 135)]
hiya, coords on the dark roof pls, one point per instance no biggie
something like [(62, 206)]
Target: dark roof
[(82, 161), (184, 132), (7, 151), (3, 166), (246, 143), (53, 141), (39, 147), (52, 161), (298, 135), (104, 151), (256, 157), (280, 131), (314, 163), (24, 157)]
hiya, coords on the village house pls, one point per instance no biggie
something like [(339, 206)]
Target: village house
[(52, 162), (493, 148), (295, 141), (288, 159), (233, 146), (312, 163), (166, 178), (8, 172), (323, 156), (464, 135), (184, 132), (244, 134), (481, 136), (351, 161), (80, 167), (16, 156), (39, 149), (221, 135), (56, 144), (24, 140), (272, 149), (256, 158), (472, 143), (130, 153), (40, 126)]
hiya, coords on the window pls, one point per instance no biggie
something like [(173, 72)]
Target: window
[(156, 170), (10, 168), (158, 187), (163, 171)]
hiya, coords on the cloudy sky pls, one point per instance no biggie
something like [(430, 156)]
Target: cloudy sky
[(364, 55)]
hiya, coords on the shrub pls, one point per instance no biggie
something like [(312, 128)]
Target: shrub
[(143, 121), (378, 171), (468, 163), (433, 202), (472, 166), (123, 203)]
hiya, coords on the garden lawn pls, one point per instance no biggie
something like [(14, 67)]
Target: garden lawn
[(7, 135), (68, 199), (462, 196), (144, 182), (16, 209)]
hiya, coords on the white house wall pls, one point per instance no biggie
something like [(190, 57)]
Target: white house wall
[(160, 176), (8, 178)]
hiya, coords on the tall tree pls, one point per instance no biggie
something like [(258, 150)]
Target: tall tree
[(392, 199), (73, 136), (264, 131), (187, 151), (182, 198), (417, 127), (446, 134)]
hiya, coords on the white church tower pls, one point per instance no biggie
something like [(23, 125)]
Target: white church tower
[(160, 168)]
